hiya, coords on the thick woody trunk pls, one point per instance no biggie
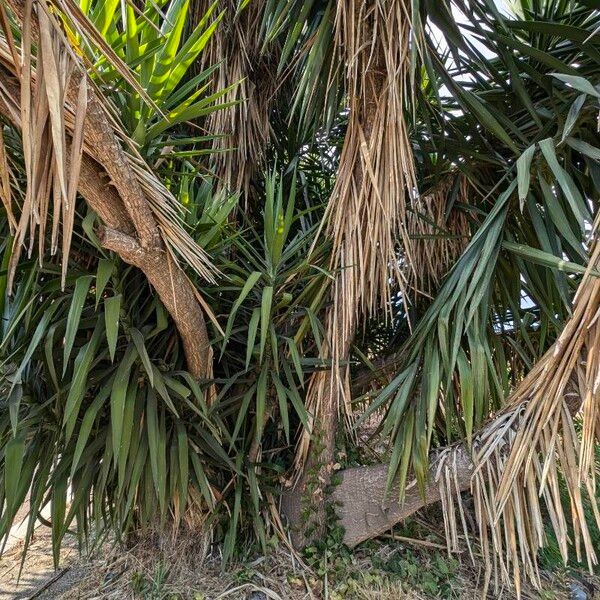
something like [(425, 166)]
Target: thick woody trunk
[(365, 510), (304, 505)]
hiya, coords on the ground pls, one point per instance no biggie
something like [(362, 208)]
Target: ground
[(398, 567)]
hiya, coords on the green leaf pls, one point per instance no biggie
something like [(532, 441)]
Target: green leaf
[(283, 409), (566, 183), (34, 343), (183, 461), (86, 426), (112, 310), (58, 509), (242, 412), (250, 283), (579, 83), (105, 17), (294, 396), (126, 433), (13, 462), (118, 396), (138, 340), (175, 19), (202, 480), (79, 384), (155, 444), (252, 330), (295, 354), (161, 388), (193, 46), (524, 173), (572, 116), (265, 317), (585, 148), (483, 114), (187, 112), (82, 287), (466, 393), (103, 274), (15, 395), (6, 255), (545, 259), (261, 402)]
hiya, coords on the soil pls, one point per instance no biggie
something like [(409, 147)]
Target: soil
[(185, 572)]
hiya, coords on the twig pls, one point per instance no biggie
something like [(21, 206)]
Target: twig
[(48, 583), (409, 540)]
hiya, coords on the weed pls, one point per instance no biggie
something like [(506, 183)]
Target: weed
[(151, 588)]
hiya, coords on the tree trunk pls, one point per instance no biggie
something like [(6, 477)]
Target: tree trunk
[(365, 510), (304, 505)]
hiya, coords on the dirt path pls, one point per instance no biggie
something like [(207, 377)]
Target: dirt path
[(36, 576)]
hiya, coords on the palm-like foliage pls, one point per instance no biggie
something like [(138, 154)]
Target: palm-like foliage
[(544, 223), (498, 113)]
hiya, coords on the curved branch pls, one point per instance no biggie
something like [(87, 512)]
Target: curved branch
[(175, 291), (100, 137), (116, 196)]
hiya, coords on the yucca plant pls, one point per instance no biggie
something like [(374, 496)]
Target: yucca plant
[(409, 209)]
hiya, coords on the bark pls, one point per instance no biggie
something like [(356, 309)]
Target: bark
[(111, 188), (100, 136), (362, 506), (308, 496), (366, 511), (304, 505), (175, 291)]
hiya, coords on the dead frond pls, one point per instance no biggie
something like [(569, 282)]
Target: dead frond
[(366, 215), (5, 186), (525, 454), (52, 113), (243, 66), (439, 233)]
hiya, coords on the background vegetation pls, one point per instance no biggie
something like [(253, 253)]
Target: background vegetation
[(249, 115)]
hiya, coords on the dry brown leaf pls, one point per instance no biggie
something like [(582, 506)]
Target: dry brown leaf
[(5, 190)]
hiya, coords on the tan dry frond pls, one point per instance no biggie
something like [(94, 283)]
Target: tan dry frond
[(52, 121), (43, 88), (438, 235), (525, 453), (5, 188), (366, 217), (244, 129)]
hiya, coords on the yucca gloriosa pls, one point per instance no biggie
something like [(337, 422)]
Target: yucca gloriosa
[(413, 198)]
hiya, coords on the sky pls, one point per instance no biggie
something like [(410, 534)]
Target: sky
[(503, 7)]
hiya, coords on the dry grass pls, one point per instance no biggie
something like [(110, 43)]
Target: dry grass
[(190, 569), (146, 571), (386, 591)]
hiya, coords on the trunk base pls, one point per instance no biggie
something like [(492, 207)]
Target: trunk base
[(362, 507)]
